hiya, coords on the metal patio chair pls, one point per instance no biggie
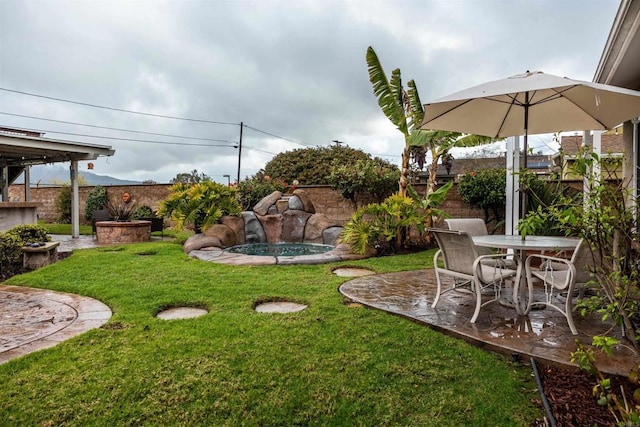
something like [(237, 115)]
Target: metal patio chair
[(97, 216), (460, 260), (561, 279), (477, 227)]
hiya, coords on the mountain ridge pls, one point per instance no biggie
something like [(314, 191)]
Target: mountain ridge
[(52, 175)]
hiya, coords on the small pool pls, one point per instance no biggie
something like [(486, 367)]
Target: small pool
[(280, 249)]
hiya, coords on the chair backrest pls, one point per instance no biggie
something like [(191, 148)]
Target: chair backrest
[(157, 224), (473, 226), (100, 215), (458, 250)]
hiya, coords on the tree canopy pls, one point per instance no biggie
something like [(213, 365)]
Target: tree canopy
[(192, 177), (313, 165)]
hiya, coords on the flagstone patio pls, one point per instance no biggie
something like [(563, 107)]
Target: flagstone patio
[(544, 334)]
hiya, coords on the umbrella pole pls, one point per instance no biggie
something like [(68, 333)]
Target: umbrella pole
[(523, 164)]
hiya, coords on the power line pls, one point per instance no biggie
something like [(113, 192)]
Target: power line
[(133, 140), (118, 109), (117, 129), (259, 150), (276, 136), (144, 114)]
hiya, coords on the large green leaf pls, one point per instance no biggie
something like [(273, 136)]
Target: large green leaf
[(416, 114), (388, 93)]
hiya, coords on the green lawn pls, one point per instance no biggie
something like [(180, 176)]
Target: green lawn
[(64, 228), (329, 365)]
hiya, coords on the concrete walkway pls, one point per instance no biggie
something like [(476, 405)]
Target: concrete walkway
[(33, 319)]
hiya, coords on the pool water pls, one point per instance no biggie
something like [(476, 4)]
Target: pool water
[(280, 249)]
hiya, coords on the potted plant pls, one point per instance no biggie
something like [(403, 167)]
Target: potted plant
[(121, 209)]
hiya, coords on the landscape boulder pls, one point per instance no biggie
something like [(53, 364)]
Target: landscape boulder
[(272, 226), (293, 225), (331, 235), (316, 224), (307, 204), (295, 203), (199, 241), (253, 231), (236, 224), (262, 207), (226, 235)]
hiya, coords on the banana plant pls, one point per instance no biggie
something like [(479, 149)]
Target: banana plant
[(405, 110)]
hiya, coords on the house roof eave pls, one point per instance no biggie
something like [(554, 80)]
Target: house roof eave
[(621, 54)]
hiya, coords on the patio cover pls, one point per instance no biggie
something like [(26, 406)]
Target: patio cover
[(20, 149)]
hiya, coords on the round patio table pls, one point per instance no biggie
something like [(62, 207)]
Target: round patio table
[(522, 245)]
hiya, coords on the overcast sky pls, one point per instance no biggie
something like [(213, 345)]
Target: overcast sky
[(293, 71)]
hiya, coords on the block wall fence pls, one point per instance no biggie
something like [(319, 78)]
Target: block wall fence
[(326, 200)]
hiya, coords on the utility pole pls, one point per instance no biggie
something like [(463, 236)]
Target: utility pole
[(337, 142), (240, 151)]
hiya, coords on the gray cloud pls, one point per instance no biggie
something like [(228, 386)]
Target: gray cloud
[(294, 69)]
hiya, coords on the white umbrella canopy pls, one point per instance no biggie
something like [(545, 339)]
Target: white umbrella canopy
[(532, 103)]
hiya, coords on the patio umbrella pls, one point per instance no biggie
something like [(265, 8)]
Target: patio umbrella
[(532, 103)]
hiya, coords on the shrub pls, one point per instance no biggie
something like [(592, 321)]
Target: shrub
[(30, 233), (544, 201), (142, 211), (311, 165), (201, 204), (254, 189), (486, 190), (121, 210), (375, 177), (96, 199), (10, 254), (383, 226), (63, 205), (11, 243)]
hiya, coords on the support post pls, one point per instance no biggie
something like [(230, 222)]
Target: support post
[(75, 200), (240, 151), (635, 176), (512, 215), (4, 182), (593, 173), (27, 183)]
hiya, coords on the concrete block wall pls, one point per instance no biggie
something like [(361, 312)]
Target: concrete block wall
[(325, 200), (143, 194)]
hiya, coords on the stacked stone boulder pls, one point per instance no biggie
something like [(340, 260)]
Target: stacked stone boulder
[(289, 218)]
